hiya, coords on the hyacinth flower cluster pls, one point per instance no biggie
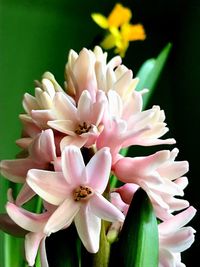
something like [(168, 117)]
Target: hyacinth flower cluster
[(72, 139)]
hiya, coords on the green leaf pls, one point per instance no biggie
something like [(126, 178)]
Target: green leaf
[(150, 71), (138, 241)]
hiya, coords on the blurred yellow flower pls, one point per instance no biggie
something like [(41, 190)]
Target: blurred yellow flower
[(120, 31)]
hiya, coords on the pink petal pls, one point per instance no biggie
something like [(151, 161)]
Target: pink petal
[(127, 191), (63, 216), (98, 170), (177, 221), (127, 169), (102, 208), (32, 243), (43, 147), (16, 170), (25, 194), (27, 220), (30, 128), (84, 74), (41, 117), (24, 142), (88, 226), (73, 166), (51, 186)]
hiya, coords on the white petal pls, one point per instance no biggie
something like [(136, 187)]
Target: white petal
[(98, 170), (85, 107), (64, 108), (174, 170), (73, 165), (32, 242), (166, 258), (63, 126), (88, 227), (102, 208), (178, 241), (78, 141), (62, 216), (115, 103), (51, 186), (43, 255)]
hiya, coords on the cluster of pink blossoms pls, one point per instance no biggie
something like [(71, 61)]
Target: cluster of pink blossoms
[(72, 138)]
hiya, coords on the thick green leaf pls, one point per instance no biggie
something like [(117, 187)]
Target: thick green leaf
[(150, 72), (138, 241)]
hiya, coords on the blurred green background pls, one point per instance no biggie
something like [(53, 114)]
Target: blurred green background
[(36, 36)]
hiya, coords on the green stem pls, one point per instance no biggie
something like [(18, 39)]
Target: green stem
[(101, 258)]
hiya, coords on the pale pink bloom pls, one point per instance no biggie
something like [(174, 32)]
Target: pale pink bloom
[(160, 176), (83, 72), (90, 71), (174, 238), (41, 155), (77, 190), (39, 107), (34, 223), (81, 124), (117, 133)]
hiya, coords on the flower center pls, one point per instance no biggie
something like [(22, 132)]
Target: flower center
[(82, 192), (83, 128)]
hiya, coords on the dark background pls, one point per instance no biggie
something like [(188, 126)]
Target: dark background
[(36, 36)]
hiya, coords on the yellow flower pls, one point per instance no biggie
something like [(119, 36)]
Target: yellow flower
[(118, 16), (120, 31)]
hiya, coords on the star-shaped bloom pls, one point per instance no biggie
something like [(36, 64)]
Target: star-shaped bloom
[(160, 176), (77, 190), (81, 124), (174, 238)]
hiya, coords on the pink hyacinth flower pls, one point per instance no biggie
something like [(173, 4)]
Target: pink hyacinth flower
[(160, 176), (77, 190), (174, 238), (81, 124)]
